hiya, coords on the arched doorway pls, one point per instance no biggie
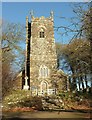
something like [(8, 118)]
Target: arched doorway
[(44, 87)]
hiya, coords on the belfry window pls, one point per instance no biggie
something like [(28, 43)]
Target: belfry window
[(41, 34)]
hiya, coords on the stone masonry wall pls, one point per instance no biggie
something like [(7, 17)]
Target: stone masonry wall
[(43, 51)]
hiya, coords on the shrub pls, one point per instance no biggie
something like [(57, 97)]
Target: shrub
[(22, 99), (37, 102), (34, 102), (62, 95)]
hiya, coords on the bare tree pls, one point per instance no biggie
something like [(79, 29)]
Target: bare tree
[(78, 53), (12, 53)]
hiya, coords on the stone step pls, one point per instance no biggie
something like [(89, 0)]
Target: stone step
[(51, 104)]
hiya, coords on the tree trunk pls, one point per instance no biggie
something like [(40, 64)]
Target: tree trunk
[(70, 83), (86, 82), (90, 39), (79, 83), (81, 78), (74, 86)]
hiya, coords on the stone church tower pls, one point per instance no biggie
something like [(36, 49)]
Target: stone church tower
[(41, 57), (40, 73)]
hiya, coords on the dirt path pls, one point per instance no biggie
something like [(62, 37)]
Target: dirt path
[(45, 114)]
